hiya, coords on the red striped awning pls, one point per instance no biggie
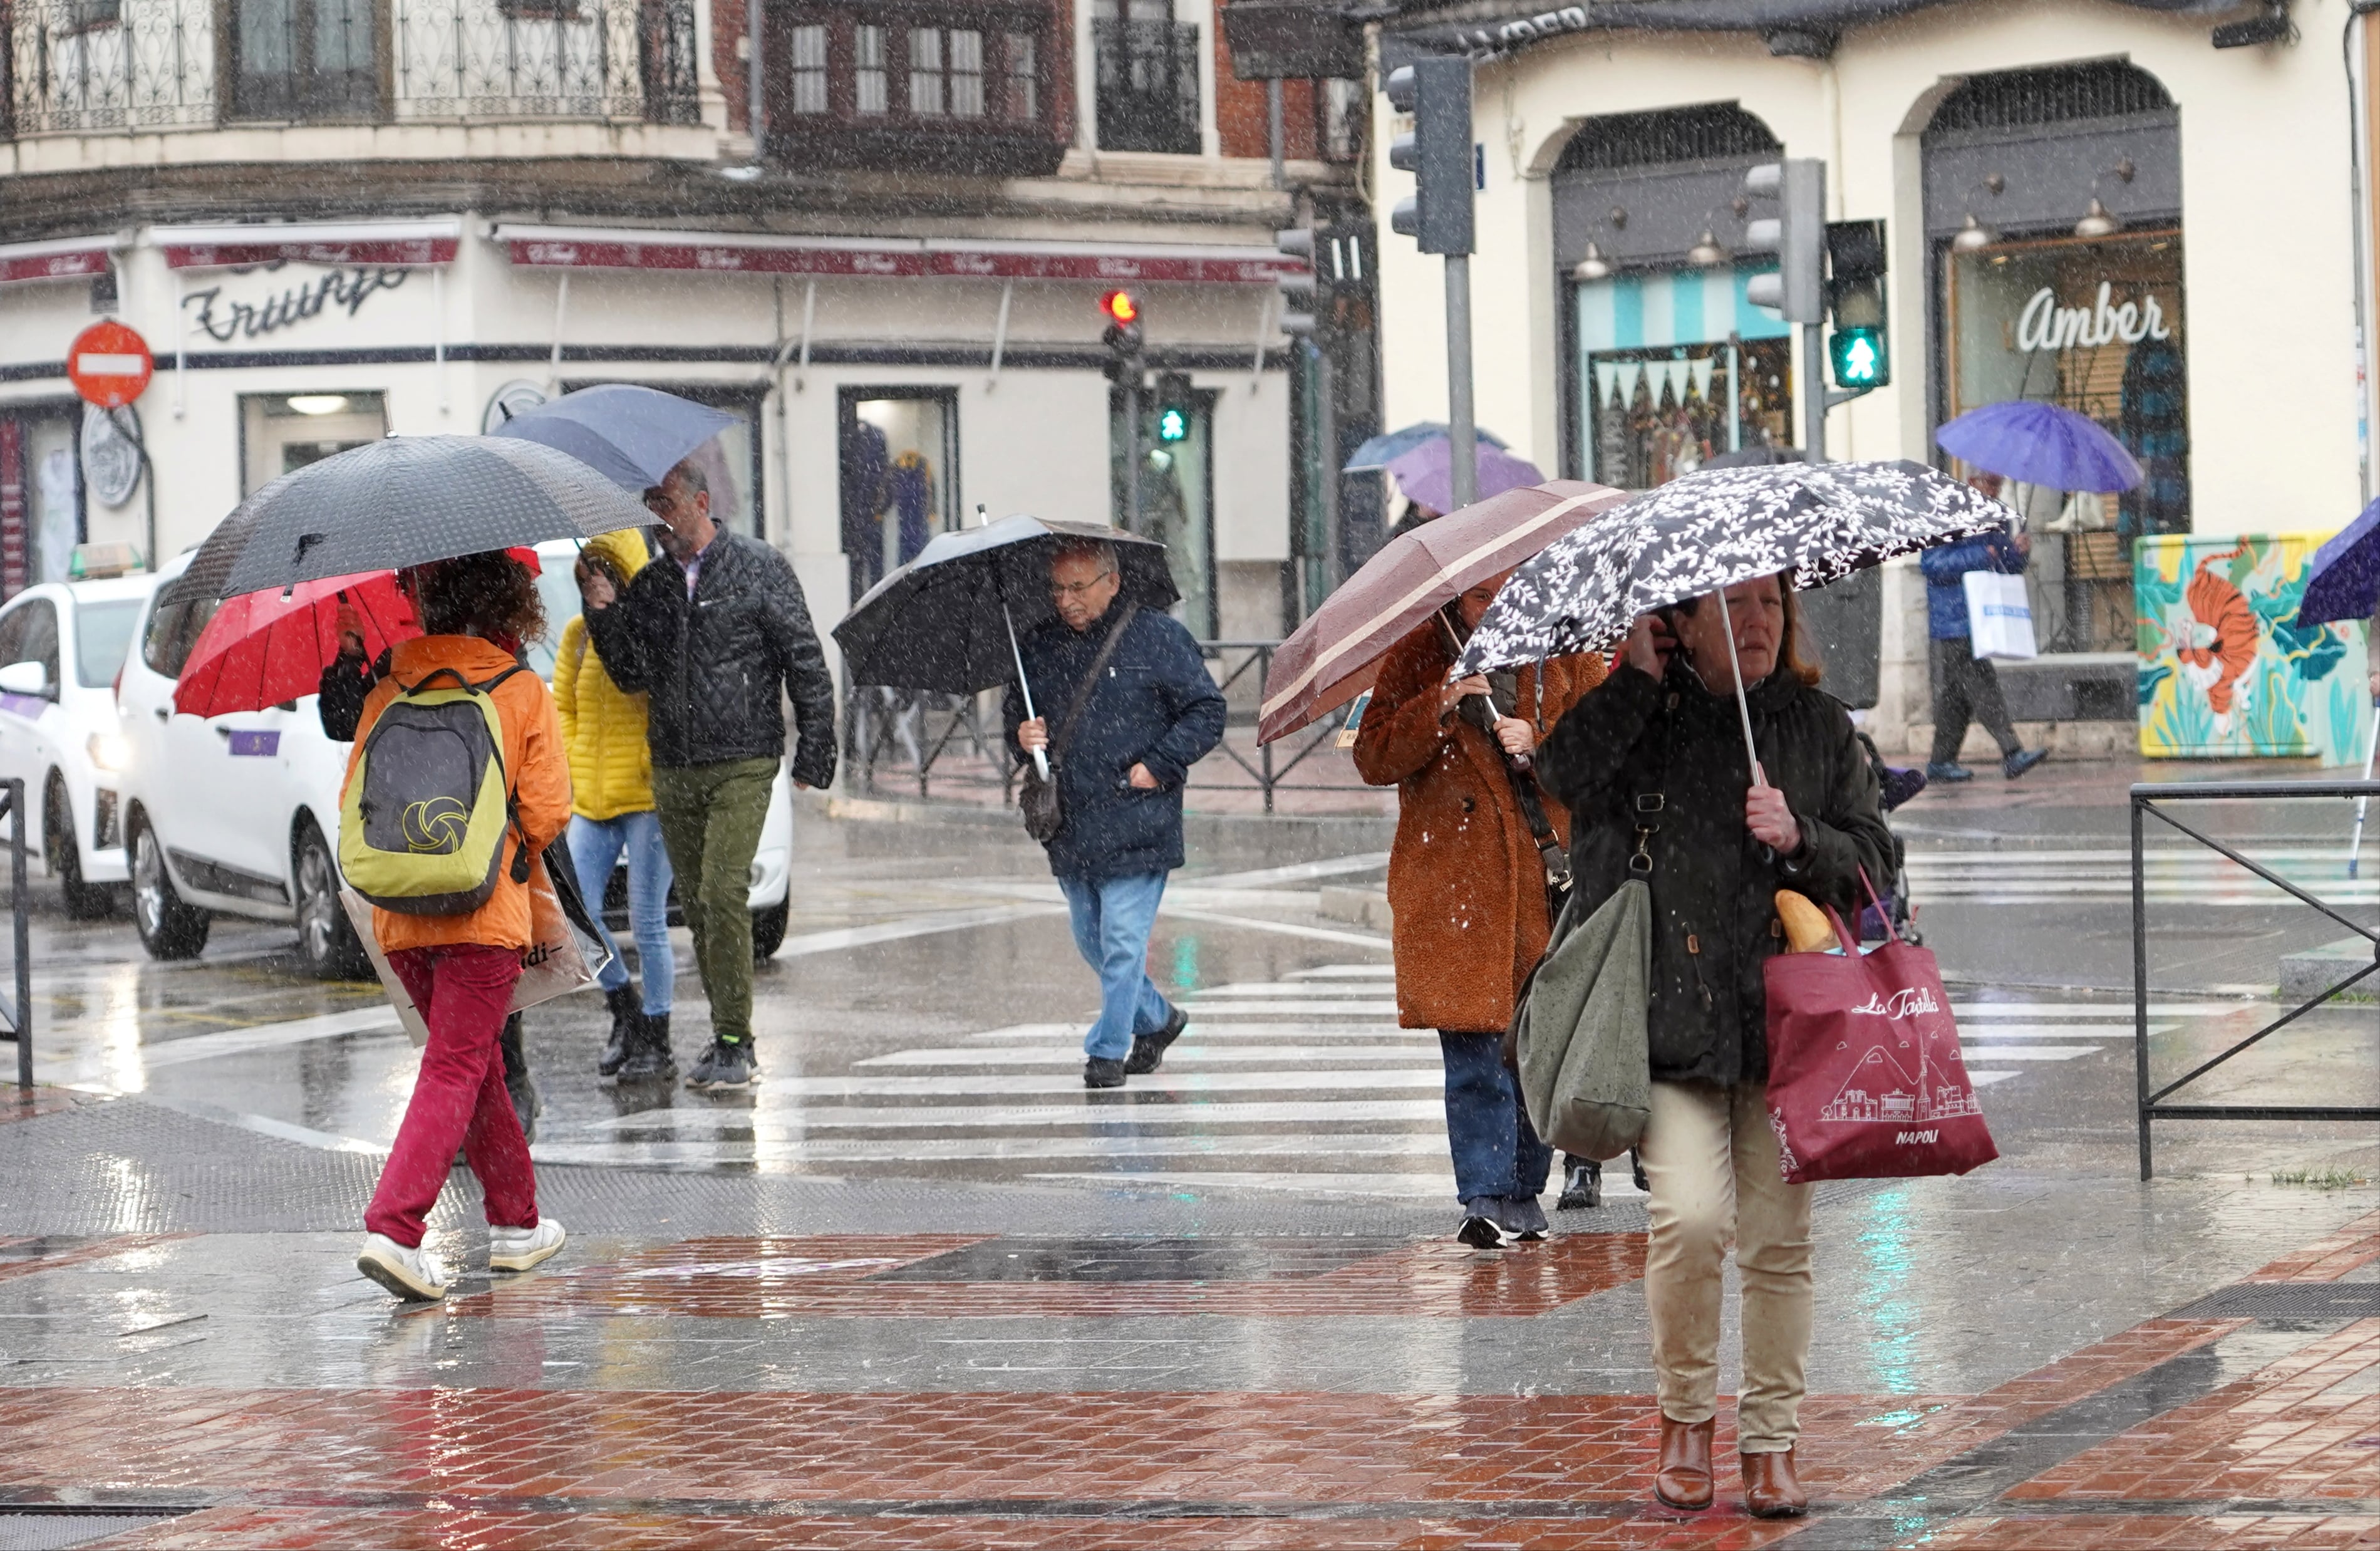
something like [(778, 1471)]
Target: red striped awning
[(383, 244), (66, 258), (752, 253)]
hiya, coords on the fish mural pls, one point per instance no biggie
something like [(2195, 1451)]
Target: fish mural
[(2225, 671)]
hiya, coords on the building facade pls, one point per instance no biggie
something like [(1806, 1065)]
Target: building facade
[(334, 222), (2134, 208)]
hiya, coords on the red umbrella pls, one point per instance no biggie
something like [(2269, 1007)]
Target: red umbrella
[(1330, 660), (268, 648)]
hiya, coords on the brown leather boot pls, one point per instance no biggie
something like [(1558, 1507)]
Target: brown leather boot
[(1683, 1479), (1771, 1490)]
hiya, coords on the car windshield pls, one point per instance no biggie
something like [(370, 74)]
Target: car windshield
[(102, 635), (558, 589)]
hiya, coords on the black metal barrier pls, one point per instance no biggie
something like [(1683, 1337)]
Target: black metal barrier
[(2147, 801), (21, 909)]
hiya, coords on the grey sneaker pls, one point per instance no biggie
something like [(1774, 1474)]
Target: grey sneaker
[(727, 1064), (1524, 1218), (1482, 1228)]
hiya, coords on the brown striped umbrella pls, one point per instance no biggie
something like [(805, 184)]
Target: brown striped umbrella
[(1330, 659)]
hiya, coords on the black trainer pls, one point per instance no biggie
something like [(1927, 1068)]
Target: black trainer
[(1147, 1050), (1102, 1071), (1479, 1227), (2021, 761), (1581, 1186), (727, 1064), (649, 1059), (627, 1008)]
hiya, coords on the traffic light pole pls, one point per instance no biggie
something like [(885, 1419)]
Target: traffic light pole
[(1132, 455), (1814, 399), (1463, 464)]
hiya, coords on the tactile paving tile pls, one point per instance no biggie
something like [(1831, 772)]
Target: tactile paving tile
[(38, 1530), (830, 1276), (2287, 1300)]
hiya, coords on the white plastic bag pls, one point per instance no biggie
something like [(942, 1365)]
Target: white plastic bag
[(1999, 615)]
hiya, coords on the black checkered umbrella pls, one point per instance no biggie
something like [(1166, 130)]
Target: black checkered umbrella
[(405, 501)]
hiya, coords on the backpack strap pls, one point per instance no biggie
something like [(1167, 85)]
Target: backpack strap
[(1090, 681)]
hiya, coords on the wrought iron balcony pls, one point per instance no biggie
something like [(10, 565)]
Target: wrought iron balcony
[(1147, 85), (84, 67)]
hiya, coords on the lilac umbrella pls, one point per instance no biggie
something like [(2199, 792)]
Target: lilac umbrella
[(2343, 583), (1425, 474), (2033, 443)]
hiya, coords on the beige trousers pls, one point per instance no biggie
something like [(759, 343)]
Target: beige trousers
[(1711, 1161)]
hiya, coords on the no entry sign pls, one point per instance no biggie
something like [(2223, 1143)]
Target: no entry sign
[(109, 365)]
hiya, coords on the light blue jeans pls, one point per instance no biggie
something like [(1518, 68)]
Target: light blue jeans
[(595, 847), (1112, 919)]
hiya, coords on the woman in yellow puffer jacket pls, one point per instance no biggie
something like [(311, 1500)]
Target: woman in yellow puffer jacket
[(612, 811)]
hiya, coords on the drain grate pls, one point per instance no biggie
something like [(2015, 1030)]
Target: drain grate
[(50, 1528), (1143, 1260), (2287, 1300)]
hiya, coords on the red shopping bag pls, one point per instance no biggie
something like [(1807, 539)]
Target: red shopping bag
[(1866, 1078)]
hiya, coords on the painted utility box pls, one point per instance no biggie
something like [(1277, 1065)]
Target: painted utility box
[(2225, 672)]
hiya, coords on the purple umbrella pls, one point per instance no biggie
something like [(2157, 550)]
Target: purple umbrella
[(2035, 442), (2343, 583), (1425, 474)]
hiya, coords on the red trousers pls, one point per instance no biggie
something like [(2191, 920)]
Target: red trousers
[(462, 991)]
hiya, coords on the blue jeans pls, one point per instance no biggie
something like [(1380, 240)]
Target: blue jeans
[(1496, 1150), (595, 846), (1112, 919)]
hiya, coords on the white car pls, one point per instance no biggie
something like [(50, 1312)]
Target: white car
[(772, 862), (236, 815), (239, 814), (61, 644)]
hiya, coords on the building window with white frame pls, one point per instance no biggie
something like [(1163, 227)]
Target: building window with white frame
[(926, 96), (966, 73), (871, 93), (1024, 100), (809, 70)]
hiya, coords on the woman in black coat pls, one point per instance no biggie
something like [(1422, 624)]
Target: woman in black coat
[(1654, 769)]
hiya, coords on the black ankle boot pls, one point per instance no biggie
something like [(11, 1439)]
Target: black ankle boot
[(627, 1010), (648, 1051), (526, 1102)]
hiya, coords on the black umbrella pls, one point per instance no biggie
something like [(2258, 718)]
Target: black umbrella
[(1709, 531), (405, 501), (947, 620)]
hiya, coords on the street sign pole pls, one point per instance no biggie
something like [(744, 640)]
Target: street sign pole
[(1813, 398), (1132, 453), (1464, 466)]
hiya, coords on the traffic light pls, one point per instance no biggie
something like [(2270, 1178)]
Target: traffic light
[(1857, 348), (1122, 336), (1173, 406), (1299, 287), (1437, 91), (1796, 234)]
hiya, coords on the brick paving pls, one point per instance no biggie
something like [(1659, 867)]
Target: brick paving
[(23, 1255)]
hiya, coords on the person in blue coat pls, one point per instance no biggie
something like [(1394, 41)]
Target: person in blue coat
[(1965, 686), (1153, 714)]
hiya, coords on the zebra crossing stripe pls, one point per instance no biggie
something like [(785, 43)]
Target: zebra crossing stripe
[(1184, 1052), (1139, 1116)]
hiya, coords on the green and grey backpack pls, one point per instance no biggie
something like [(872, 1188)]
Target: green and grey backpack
[(421, 829)]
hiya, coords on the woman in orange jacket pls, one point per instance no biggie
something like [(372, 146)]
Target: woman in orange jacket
[(459, 969)]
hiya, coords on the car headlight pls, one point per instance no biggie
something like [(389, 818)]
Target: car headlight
[(110, 750)]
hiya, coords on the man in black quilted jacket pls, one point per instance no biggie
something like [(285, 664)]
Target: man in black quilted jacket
[(716, 633)]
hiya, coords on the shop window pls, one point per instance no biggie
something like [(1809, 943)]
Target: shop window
[(2096, 326), (41, 495), (808, 70), (282, 433), (898, 472), (1177, 498), (1672, 369)]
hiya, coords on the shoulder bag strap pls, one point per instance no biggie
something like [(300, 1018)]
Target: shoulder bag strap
[(1649, 802), (1066, 733)]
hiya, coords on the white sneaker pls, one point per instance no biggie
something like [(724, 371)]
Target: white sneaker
[(416, 1275), (518, 1249)]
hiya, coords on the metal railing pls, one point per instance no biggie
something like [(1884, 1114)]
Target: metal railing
[(955, 743), (2147, 801), (1147, 75), (20, 1014), (80, 67)]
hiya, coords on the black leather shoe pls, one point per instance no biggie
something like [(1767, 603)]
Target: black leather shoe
[(1101, 1072), (1147, 1050), (1581, 1186), (1949, 772)]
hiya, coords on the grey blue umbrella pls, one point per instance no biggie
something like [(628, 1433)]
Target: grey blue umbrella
[(1379, 451), (631, 435), (405, 501), (948, 621), (1709, 531)]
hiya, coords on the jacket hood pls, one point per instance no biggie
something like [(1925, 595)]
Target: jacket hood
[(626, 549), (468, 655)]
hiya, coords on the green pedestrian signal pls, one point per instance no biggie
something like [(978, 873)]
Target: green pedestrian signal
[(1859, 356), (1172, 425)]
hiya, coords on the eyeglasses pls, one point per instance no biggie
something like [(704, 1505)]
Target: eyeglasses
[(1077, 589)]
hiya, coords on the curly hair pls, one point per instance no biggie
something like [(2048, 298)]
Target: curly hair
[(485, 594)]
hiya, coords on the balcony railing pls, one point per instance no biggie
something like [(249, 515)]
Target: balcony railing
[(1148, 86), (82, 66)]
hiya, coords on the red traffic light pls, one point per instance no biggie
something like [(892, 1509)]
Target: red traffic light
[(1121, 306)]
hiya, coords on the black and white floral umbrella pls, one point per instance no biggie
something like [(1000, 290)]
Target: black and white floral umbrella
[(1709, 531)]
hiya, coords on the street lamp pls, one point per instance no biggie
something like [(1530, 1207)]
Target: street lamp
[(1594, 266)]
